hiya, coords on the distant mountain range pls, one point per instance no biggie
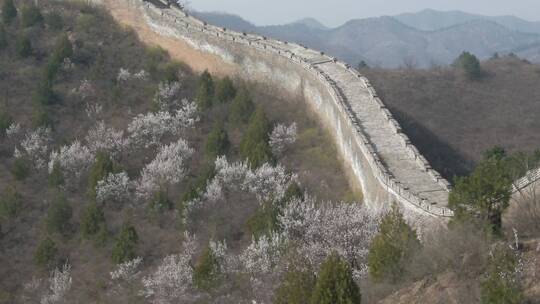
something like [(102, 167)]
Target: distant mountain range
[(421, 39)]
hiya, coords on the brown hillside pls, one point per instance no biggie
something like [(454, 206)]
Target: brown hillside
[(452, 120)]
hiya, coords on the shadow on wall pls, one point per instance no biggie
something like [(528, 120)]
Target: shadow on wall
[(445, 159)]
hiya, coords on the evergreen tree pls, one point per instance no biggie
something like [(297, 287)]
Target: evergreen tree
[(30, 16), (101, 168), (335, 284), (93, 219), (392, 247), (206, 271), (46, 252), (470, 65), (254, 145), (45, 95), (59, 215), (241, 108), (501, 286), (21, 168), (484, 195), (56, 177), (362, 65), (23, 46), (205, 91), (225, 90), (3, 37), (54, 20), (9, 12), (126, 244), (217, 142), (10, 203), (161, 201)]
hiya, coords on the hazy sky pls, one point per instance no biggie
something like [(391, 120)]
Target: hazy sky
[(335, 12)]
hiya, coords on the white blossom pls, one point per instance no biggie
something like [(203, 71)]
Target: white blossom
[(167, 168), (59, 285), (127, 271), (114, 187), (93, 110), (167, 95), (262, 255), (123, 75), (74, 160), (173, 277), (148, 129), (13, 130), (67, 64), (268, 182), (35, 146), (84, 90), (320, 230), (102, 138), (141, 75), (219, 253), (281, 137)]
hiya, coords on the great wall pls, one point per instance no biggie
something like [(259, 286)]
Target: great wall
[(382, 160)]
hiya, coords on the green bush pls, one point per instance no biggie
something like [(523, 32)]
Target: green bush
[(92, 221), (205, 91), (5, 122), (264, 220), (335, 284), (21, 168), (225, 90), (254, 145), (501, 284), (56, 177), (23, 46), (59, 215), (126, 244), (241, 108), (160, 201), (10, 203), (297, 284), (54, 20), (206, 272), (9, 12), (102, 166), (170, 71), (62, 50), (45, 95), (46, 252), (30, 16), (40, 116), (470, 65), (217, 142), (3, 37), (392, 248)]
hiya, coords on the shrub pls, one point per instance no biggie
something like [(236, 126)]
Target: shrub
[(206, 270), (45, 253), (3, 37), (9, 12), (59, 215), (254, 145), (225, 90), (392, 248), (63, 48), (54, 20), (92, 221), (103, 166), (296, 285), (125, 247), (470, 65), (161, 201), (5, 122), (56, 178), (501, 285), (45, 94), (10, 203), (21, 168), (335, 284), (23, 46), (30, 16), (242, 108), (217, 142), (205, 91)]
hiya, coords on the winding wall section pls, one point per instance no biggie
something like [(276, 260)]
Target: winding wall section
[(380, 156)]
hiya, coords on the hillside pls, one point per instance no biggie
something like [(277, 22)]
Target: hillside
[(452, 120), (391, 42)]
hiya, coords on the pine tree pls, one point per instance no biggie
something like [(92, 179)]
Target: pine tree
[(217, 142), (297, 284), (335, 284), (102, 167), (206, 270), (205, 91), (46, 252), (59, 215), (30, 16), (3, 37), (23, 46), (470, 65), (392, 247), (254, 145), (241, 108), (92, 220), (9, 12), (125, 247), (225, 90)]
